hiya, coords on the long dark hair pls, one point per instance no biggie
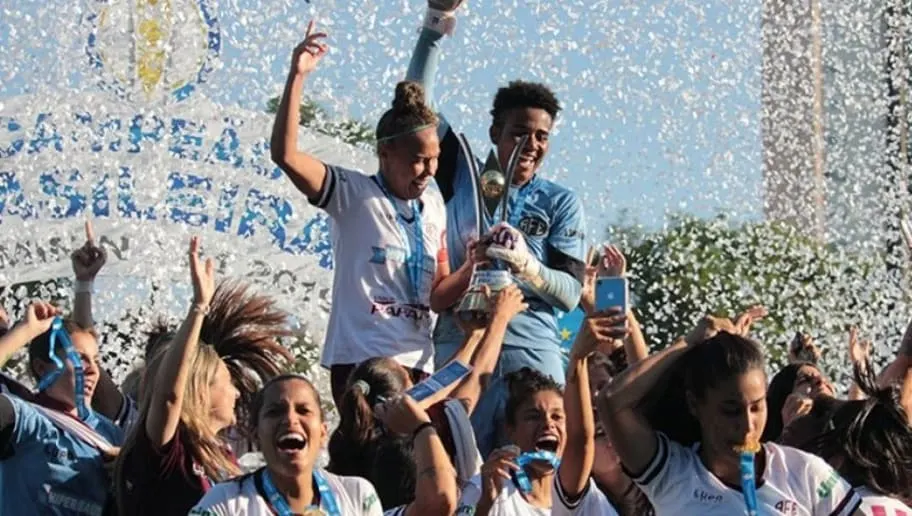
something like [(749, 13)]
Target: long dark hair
[(704, 366), (780, 387), (870, 440)]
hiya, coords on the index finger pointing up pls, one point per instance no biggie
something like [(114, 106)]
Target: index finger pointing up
[(90, 233)]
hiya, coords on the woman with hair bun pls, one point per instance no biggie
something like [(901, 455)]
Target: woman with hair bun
[(388, 230)]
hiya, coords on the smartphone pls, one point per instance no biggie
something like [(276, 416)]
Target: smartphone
[(611, 292), (450, 374)]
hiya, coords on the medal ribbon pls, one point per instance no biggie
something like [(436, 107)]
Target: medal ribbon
[(59, 333), (280, 505), (414, 260)]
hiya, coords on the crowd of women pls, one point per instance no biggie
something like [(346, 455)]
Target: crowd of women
[(694, 429)]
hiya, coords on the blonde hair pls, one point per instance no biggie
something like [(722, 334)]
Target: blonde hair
[(243, 328)]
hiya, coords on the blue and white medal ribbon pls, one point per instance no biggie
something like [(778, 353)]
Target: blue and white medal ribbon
[(748, 483), (60, 336), (414, 259), (522, 478), (278, 503)]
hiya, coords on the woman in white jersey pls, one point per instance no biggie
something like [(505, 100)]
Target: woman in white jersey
[(291, 431), (547, 468), (685, 452), (869, 442), (389, 230)]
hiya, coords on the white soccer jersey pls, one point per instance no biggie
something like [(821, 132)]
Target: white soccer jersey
[(354, 495), (375, 309), (873, 504), (510, 502), (795, 483)]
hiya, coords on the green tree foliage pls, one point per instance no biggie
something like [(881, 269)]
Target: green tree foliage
[(313, 116), (695, 267)]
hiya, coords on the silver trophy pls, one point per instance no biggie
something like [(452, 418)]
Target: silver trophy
[(492, 189)]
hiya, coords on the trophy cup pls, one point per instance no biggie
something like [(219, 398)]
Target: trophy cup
[(492, 190)]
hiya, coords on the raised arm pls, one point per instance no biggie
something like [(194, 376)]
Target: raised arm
[(509, 303), (579, 452), (435, 477), (170, 382), (38, 320), (632, 436), (87, 262), (306, 172)]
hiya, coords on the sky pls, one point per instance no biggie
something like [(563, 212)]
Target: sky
[(661, 99)]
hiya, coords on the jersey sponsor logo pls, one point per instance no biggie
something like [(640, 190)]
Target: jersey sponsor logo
[(533, 226), (72, 504), (826, 487), (787, 507), (391, 308), (706, 497)]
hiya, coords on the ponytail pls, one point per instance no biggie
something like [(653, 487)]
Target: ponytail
[(352, 445)]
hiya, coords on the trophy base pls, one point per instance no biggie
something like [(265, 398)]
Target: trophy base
[(475, 299)]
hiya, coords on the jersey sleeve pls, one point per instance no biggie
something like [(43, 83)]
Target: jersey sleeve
[(665, 478), (397, 511), (590, 501), (830, 494), (469, 497), (567, 238), (341, 189)]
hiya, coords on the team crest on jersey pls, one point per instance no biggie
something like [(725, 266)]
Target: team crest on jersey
[(787, 507), (533, 226)]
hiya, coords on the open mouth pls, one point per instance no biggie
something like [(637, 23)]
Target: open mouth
[(291, 442), (547, 443)]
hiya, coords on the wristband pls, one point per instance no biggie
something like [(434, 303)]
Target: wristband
[(84, 287), (200, 308), (421, 428), (442, 22)]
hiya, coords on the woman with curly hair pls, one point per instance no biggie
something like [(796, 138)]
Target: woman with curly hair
[(224, 349)]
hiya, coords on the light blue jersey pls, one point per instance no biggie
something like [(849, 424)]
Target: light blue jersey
[(552, 223), (52, 472)]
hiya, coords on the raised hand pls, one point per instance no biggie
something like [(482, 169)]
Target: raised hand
[(39, 317), (445, 5), (613, 262), (509, 303), (88, 259), (859, 350), (747, 318), (309, 52), (497, 469), (401, 414), (590, 276), (202, 274), (600, 328), (795, 406)]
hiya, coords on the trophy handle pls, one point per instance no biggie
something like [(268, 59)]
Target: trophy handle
[(511, 168), (476, 188)]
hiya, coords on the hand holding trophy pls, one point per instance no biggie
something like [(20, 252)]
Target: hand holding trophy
[(504, 244)]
